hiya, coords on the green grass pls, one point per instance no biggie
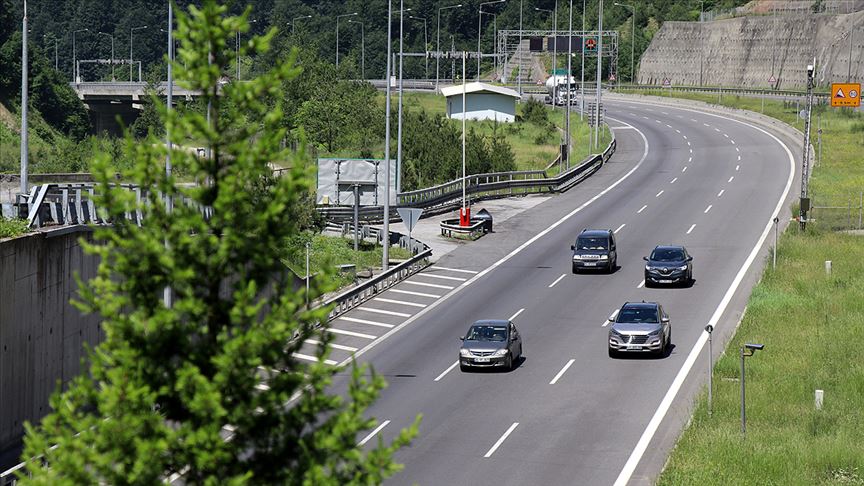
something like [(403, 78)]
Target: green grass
[(12, 227), (811, 325)]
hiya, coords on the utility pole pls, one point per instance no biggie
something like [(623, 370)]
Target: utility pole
[(385, 242), (438, 42), (169, 203), (804, 207), (402, 11), (25, 148), (519, 52)]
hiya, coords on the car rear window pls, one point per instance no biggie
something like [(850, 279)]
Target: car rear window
[(587, 243), (637, 315), (487, 333), (667, 255)]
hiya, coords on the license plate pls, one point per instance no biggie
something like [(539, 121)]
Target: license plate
[(636, 348), (665, 281), (590, 264), (481, 360)]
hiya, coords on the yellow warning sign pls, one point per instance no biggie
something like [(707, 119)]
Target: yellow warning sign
[(846, 94)]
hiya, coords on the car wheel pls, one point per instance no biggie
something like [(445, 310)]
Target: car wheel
[(462, 367), (613, 353), (509, 365)]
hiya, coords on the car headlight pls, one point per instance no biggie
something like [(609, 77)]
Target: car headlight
[(577, 257), (604, 257), (682, 267), (649, 267), (501, 352), (655, 333), (464, 353), (615, 335)]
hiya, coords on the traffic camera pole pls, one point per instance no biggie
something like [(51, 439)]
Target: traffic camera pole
[(804, 205)]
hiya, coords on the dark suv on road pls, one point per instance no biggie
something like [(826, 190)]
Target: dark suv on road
[(669, 265), (595, 249)]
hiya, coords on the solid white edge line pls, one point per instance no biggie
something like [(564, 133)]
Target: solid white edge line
[(691, 228), (372, 434), (510, 255), (501, 440), (563, 370), (620, 228), (663, 409), (436, 267), (444, 373), (514, 316), (557, 280)]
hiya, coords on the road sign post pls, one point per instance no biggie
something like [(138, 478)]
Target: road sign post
[(409, 216)]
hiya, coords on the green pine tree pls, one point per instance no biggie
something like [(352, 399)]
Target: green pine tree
[(206, 387)]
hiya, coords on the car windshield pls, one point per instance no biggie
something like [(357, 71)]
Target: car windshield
[(586, 243), (487, 333), (637, 315), (667, 255)]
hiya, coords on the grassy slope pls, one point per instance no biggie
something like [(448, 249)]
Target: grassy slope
[(46, 144), (811, 325)]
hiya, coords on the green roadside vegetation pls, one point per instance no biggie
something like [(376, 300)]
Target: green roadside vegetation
[(12, 227), (810, 324)]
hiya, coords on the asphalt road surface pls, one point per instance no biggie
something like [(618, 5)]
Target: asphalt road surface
[(569, 414)]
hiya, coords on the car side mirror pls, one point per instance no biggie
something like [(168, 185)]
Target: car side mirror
[(572, 247), (461, 338), (611, 319), (664, 320), (645, 258), (689, 258)]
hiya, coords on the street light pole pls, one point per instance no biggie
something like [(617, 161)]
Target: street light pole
[(479, 27), (112, 53), (337, 34), (362, 46), (55, 50), (599, 76), (518, 49), (582, 74), (438, 41), (75, 56), (25, 148), (701, 37), (169, 203), (425, 41), (569, 77), (402, 11), (294, 22), (551, 14), (130, 49), (632, 35), (385, 242)]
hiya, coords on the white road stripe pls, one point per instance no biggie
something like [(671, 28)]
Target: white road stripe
[(641, 284), (737, 167), (643, 209), (688, 143), (313, 358), (385, 312), (442, 277), (400, 302), (645, 117), (691, 150), (739, 157), (418, 294), (449, 368), (707, 209), (372, 434), (726, 135), (424, 284), (737, 149), (685, 137), (623, 128), (707, 125), (668, 126), (733, 142), (720, 194), (663, 112), (514, 316), (620, 227), (730, 179), (501, 440), (612, 317), (716, 129), (658, 121), (691, 228), (677, 131), (673, 181), (557, 280), (351, 333), (658, 195), (332, 345), (436, 267), (364, 321), (684, 169), (689, 159), (563, 370)]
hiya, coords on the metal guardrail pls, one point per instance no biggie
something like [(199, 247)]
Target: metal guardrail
[(823, 97), (444, 197)]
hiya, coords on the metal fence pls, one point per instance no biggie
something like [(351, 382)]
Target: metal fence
[(838, 213)]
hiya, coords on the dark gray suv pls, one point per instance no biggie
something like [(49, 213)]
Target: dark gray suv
[(595, 250), (490, 343), (669, 265)]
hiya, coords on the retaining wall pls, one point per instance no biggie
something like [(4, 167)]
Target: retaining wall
[(747, 51), (41, 333)]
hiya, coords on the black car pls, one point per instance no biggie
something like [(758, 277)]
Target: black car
[(595, 250), (490, 343), (669, 264)]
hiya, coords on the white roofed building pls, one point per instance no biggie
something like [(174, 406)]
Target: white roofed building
[(484, 102)]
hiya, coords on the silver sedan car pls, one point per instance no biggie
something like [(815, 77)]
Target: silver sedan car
[(640, 327), (490, 343)]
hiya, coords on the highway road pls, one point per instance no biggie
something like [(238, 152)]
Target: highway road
[(569, 414)]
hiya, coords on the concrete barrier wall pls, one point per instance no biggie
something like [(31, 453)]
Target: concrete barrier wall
[(747, 51), (41, 333)]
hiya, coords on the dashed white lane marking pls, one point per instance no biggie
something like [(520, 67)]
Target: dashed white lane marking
[(708, 209), (442, 277), (658, 121), (663, 112), (424, 284), (737, 167), (373, 433), (501, 440), (730, 179), (385, 312), (733, 142), (720, 194), (707, 125), (737, 149), (641, 284), (633, 114), (400, 302), (691, 150), (685, 137), (418, 294), (658, 195), (684, 169), (436, 267), (691, 228), (563, 370), (448, 370), (620, 227), (332, 345), (648, 109), (688, 143), (351, 333), (514, 316), (611, 318), (673, 181), (643, 209), (313, 358), (677, 131), (364, 321), (716, 129), (645, 117), (668, 126), (739, 157), (726, 135), (690, 159), (557, 280)]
